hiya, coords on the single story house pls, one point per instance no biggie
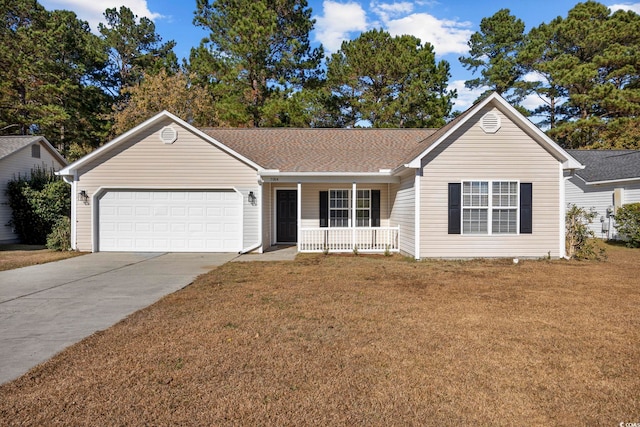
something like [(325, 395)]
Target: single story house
[(488, 184), (610, 179), (19, 155)]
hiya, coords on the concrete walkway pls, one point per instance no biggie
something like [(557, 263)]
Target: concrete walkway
[(45, 308), (274, 253)]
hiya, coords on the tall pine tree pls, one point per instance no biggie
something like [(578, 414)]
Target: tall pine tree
[(257, 54)]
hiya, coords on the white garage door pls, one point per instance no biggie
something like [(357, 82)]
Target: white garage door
[(170, 221)]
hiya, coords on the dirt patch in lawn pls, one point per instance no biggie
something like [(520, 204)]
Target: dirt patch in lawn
[(16, 256), (345, 340)]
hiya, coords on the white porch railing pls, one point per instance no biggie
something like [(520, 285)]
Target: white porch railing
[(375, 239)]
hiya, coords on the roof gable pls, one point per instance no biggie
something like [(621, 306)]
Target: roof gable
[(108, 147), (11, 144), (608, 165), (414, 160)]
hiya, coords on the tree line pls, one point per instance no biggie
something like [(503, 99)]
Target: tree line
[(257, 68)]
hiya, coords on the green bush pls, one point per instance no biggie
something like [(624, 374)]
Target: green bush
[(628, 224), (580, 240), (37, 203), (60, 237)]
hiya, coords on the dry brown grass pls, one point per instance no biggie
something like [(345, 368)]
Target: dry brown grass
[(344, 340), (16, 256)]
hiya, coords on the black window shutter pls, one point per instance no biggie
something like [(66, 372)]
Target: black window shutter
[(526, 208), (375, 208), (324, 209), (454, 207)]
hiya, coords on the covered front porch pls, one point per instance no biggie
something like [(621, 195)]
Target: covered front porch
[(327, 213), (350, 239)]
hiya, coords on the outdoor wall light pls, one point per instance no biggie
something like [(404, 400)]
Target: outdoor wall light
[(83, 196), (252, 198)]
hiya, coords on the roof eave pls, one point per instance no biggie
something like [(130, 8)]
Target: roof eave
[(274, 175), (610, 181)]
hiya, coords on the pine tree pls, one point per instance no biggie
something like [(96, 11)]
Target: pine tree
[(388, 82)]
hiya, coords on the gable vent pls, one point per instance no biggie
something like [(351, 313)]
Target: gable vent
[(490, 123), (168, 135)]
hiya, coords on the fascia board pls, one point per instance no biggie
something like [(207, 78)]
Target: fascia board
[(371, 177), (611, 181)]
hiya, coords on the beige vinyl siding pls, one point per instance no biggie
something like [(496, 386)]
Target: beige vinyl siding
[(472, 154), (145, 162), (20, 163), (403, 211), (600, 197)]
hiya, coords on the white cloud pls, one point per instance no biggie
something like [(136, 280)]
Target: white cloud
[(445, 35), (92, 11), (337, 22), (626, 6), (387, 11), (466, 96)]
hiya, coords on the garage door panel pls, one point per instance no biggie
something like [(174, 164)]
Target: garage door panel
[(170, 221)]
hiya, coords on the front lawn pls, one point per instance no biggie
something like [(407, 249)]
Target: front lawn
[(346, 340), (16, 256)]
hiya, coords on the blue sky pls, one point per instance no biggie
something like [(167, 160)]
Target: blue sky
[(447, 25)]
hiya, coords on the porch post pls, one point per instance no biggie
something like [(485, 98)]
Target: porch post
[(354, 196), (299, 215)]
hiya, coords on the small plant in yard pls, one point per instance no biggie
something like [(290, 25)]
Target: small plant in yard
[(60, 237), (387, 252), (325, 250), (355, 250), (580, 240), (628, 224)]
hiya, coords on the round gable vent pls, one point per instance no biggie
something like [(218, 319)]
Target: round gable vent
[(168, 135), (490, 123)]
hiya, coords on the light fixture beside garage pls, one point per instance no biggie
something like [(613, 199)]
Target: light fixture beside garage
[(168, 135), (253, 200), (83, 196)]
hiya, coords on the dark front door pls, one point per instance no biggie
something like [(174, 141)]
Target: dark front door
[(286, 216)]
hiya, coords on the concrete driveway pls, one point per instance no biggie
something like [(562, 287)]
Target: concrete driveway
[(45, 308)]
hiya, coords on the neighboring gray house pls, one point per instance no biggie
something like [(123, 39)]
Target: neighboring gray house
[(488, 184), (18, 156), (610, 179)]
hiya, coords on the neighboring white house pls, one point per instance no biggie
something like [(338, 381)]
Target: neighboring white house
[(488, 184), (610, 179), (18, 156)]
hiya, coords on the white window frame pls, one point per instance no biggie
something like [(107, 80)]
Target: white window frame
[(490, 208), (342, 208), (363, 209), (350, 221)]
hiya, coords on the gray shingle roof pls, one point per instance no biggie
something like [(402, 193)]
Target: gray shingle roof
[(608, 165), (321, 149), (11, 144)]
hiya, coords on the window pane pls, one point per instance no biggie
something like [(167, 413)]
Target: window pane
[(505, 194), (474, 221), (504, 221), (475, 194)]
